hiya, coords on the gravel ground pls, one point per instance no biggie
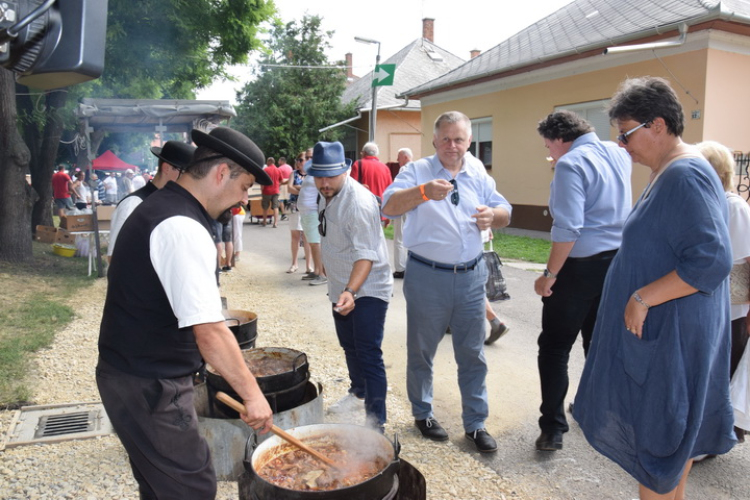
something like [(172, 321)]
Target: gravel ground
[(98, 469)]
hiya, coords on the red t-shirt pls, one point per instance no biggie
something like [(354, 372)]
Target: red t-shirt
[(60, 182), (372, 172), (273, 172)]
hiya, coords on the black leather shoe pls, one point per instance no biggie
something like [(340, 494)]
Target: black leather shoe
[(552, 441), (399, 275), (482, 440), (431, 429)]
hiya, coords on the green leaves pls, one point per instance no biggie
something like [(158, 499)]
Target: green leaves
[(296, 91)]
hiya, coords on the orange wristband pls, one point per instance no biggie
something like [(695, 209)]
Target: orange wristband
[(421, 190)]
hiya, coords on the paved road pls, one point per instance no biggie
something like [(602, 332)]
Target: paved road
[(577, 472)]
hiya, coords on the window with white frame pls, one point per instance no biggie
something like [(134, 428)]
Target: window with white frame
[(481, 142), (595, 113)]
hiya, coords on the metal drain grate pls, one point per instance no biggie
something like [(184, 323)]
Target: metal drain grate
[(55, 423), (71, 423)]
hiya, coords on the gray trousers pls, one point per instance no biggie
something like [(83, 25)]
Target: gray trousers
[(436, 299)]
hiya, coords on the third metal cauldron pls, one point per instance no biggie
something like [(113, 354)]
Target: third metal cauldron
[(244, 326)]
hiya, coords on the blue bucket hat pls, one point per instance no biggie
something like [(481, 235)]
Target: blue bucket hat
[(328, 160)]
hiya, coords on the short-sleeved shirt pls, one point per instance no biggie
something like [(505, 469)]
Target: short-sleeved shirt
[(162, 281), (275, 175), (437, 229), (60, 182)]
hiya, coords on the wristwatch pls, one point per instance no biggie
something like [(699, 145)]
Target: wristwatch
[(354, 294), (549, 274)]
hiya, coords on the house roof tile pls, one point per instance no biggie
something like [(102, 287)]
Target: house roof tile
[(585, 25)]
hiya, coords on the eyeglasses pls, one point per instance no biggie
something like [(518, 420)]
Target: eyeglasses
[(300, 159), (454, 193), (322, 222), (623, 138)]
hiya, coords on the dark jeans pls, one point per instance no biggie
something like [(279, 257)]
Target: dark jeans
[(570, 309), (156, 422), (360, 334)]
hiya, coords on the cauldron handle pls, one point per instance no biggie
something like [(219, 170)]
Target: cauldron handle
[(252, 443), (234, 319), (294, 363), (396, 445)]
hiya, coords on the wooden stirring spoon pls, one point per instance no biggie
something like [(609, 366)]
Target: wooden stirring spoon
[(240, 408)]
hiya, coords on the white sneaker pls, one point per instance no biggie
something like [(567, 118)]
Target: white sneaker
[(348, 404)]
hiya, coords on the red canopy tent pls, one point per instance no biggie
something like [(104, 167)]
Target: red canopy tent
[(109, 161)]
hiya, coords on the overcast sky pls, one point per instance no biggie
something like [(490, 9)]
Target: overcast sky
[(460, 26)]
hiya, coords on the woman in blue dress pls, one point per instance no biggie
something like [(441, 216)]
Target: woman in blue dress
[(655, 388)]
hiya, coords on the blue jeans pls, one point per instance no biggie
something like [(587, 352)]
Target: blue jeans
[(436, 299), (360, 334)]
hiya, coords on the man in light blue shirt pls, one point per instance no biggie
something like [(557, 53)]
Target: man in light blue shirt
[(590, 198), (449, 200)]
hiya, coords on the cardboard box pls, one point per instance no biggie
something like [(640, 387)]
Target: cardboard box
[(45, 234), (104, 225), (105, 212), (77, 222), (64, 237)]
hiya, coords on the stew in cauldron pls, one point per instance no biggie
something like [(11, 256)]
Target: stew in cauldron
[(295, 469)]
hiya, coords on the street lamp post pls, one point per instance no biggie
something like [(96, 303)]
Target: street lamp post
[(374, 111)]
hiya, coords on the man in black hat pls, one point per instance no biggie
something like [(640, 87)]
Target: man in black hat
[(162, 319), (174, 157)]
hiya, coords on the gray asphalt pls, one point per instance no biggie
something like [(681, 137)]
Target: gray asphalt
[(575, 473)]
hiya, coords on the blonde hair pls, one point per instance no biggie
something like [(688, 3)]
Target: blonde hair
[(721, 158)]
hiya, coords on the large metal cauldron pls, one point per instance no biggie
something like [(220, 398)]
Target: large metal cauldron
[(244, 326), (377, 487), (284, 386)]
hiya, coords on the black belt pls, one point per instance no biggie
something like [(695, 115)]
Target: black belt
[(461, 267), (609, 254)]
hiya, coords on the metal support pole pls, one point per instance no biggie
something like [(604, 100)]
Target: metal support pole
[(374, 112)]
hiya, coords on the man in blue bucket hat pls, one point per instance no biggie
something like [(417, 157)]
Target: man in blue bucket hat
[(360, 283)]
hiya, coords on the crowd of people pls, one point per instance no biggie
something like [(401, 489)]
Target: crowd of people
[(645, 284)]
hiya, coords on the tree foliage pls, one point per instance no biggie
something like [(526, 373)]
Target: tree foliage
[(155, 49), (283, 108)]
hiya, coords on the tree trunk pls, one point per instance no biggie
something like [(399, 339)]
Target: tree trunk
[(16, 195), (43, 163)]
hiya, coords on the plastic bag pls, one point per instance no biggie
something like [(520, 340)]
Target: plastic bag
[(496, 287)]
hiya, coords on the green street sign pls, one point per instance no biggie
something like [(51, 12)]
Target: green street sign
[(383, 75)]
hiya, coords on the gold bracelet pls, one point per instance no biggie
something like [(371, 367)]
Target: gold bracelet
[(640, 300), (421, 190)]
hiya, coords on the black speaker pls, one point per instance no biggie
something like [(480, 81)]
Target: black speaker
[(53, 43)]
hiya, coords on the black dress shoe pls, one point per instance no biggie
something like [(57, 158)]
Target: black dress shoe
[(431, 429), (482, 440), (552, 441), (399, 275)]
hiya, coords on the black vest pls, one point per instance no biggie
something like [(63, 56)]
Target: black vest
[(139, 333), (142, 193)]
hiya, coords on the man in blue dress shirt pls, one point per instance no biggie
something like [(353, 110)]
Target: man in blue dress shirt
[(449, 199), (590, 199)]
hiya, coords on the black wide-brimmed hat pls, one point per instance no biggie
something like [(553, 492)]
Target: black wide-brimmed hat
[(176, 153), (237, 147)]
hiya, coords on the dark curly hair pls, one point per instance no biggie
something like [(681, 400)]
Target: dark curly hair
[(565, 125), (645, 99)]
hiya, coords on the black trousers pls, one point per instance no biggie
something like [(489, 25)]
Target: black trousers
[(156, 422), (571, 308)]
